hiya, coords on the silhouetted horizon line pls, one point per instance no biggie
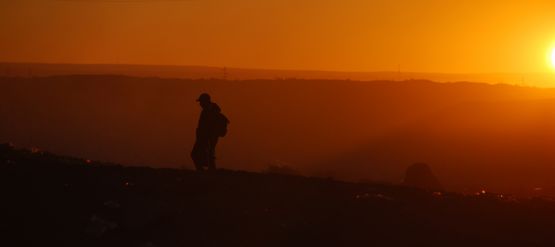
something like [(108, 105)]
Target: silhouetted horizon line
[(275, 69)]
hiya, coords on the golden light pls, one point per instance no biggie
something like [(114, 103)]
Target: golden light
[(552, 57)]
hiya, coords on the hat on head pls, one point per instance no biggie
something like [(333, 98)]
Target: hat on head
[(204, 97)]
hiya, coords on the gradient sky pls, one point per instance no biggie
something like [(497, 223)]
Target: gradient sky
[(352, 35)]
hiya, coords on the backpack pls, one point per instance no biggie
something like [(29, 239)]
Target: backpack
[(221, 124)]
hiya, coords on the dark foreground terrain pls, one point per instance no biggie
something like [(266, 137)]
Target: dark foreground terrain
[(49, 200)]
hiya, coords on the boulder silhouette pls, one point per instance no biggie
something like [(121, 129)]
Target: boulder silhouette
[(282, 169), (420, 175)]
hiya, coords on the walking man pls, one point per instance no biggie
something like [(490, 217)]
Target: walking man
[(212, 125)]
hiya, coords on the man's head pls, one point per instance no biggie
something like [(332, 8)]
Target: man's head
[(204, 99)]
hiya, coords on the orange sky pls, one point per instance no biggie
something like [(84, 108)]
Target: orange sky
[(353, 35)]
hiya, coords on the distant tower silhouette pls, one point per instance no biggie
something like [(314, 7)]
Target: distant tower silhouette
[(224, 73), (399, 72)]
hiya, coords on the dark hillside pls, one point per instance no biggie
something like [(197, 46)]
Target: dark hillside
[(51, 200)]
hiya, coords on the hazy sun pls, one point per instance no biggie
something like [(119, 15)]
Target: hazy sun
[(552, 57)]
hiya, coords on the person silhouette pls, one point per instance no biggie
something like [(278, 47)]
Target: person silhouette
[(212, 124)]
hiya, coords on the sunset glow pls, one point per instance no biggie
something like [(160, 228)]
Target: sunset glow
[(552, 58), (417, 36)]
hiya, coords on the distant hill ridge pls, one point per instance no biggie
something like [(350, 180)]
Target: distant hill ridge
[(229, 73)]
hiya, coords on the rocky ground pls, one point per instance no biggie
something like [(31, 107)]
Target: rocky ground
[(50, 200)]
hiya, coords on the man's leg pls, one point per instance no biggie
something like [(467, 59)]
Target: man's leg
[(212, 153), (199, 154)]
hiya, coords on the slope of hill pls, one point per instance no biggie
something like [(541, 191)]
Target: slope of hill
[(52, 200)]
